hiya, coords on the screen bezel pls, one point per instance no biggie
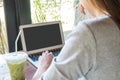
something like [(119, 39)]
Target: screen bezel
[(42, 49)]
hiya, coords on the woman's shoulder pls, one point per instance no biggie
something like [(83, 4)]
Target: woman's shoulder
[(99, 23), (85, 25), (98, 20)]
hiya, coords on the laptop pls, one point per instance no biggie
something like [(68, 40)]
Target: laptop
[(40, 37)]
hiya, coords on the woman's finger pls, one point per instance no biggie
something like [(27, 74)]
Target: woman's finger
[(81, 8)]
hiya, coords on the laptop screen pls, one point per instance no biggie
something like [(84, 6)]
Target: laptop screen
[(42, 36)]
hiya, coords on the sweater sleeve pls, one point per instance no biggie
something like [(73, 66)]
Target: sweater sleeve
[(76, 58)]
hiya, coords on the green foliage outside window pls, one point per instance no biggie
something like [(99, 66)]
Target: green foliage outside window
[(44, 8), (3, 36), (47, 10), (3, 42)]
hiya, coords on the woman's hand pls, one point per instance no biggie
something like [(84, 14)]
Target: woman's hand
[(44, 62)]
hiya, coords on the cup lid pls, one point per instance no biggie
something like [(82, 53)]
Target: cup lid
[(16, 57)]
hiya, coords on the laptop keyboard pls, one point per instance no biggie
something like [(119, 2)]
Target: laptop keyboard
[(36, 56)]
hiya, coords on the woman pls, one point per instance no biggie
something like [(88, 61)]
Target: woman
[(92, 51)]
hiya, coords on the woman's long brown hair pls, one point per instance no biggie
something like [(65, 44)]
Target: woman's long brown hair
[(112, 7)]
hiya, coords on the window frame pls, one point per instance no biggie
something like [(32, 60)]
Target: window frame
[(17, 12)]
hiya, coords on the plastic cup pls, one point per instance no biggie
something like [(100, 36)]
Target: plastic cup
[(16, 62)]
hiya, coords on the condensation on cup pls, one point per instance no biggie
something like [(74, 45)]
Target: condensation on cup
[(4, 71), (16, 62)]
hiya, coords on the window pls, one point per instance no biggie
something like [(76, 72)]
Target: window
[(3, 33), (20, 12), (52, 10)]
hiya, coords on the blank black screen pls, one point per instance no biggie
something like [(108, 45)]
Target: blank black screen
[(42, 36)]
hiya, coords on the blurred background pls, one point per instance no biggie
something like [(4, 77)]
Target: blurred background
[(17, 12)]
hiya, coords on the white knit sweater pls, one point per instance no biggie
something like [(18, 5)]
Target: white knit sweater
[(92, 50)]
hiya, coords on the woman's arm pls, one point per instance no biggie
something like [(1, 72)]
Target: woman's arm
[(75, 59), (44, 62)]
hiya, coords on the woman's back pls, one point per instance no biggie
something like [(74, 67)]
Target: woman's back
[(107, 39)]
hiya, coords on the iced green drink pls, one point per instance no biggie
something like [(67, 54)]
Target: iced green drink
[(16, 62)]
